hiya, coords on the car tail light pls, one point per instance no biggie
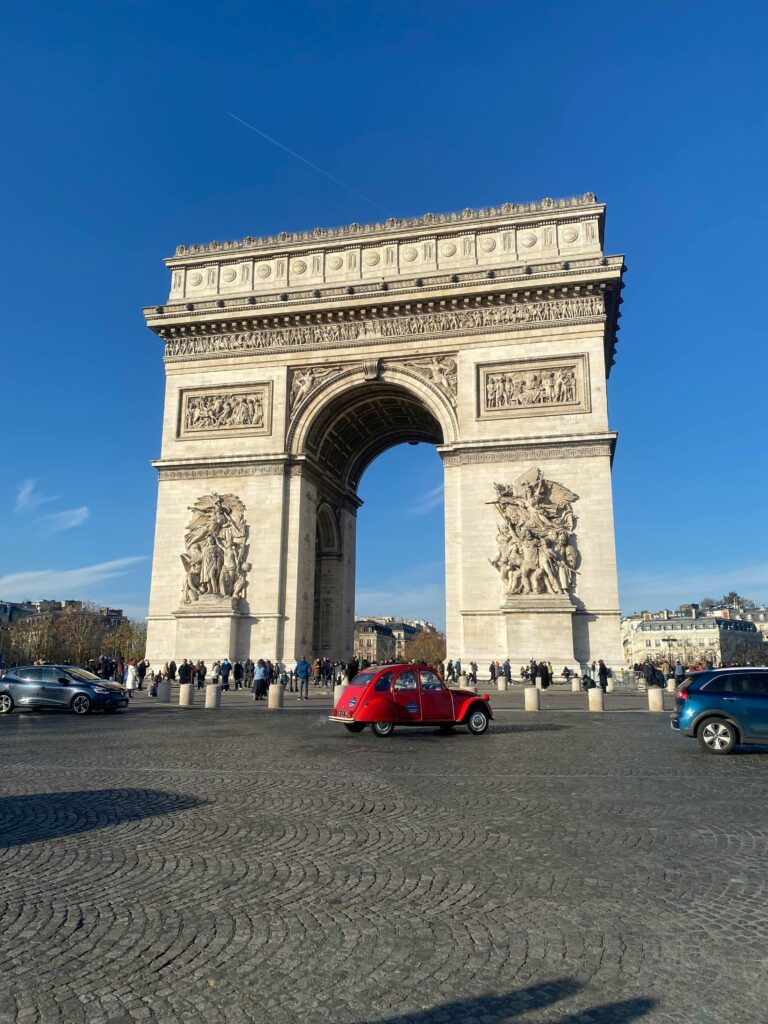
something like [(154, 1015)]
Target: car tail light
[(683, 694)]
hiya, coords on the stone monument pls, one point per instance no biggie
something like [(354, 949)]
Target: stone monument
[(292, 362)]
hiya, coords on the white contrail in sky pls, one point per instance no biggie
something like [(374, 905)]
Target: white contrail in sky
[(309, 163)]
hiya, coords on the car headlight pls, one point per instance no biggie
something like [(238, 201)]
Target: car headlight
[(101, 689)]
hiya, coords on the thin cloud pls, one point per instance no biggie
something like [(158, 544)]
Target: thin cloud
[(419, 594), (66, 520), (432, 500), (29, 498), (20, 586), (646, 590)]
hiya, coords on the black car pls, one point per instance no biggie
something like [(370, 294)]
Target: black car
[(58, 686)]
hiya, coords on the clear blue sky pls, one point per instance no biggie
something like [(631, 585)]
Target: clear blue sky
[(117, 147)]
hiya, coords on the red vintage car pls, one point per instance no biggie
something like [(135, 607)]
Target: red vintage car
[(384, 696)]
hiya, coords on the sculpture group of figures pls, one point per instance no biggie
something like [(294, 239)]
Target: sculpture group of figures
[(537, 553), (531, 387), (216, 412), (216, 543)]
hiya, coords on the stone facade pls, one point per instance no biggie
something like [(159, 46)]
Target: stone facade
[(292, 362), (692, 638)]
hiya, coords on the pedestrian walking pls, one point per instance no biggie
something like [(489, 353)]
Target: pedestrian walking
[(602, 675), (131, 681), (303, 671)]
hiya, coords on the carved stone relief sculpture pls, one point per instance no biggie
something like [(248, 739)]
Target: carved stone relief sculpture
[(226, 410), (304, 382), (524, 388), (537, 551), (440, 370), (490, 318), (216, 549)]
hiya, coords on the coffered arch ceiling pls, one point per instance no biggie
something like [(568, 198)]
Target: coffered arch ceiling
[(358, 425)]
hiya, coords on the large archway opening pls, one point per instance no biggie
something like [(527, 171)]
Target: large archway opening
[(347, 435), (400, 570)]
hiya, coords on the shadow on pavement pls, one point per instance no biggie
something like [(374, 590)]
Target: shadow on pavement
[(36, 817), (501, 1009)]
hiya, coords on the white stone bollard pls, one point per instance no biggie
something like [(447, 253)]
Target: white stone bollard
[(164, 691), (575, 685), (596, 699), (463, 682), (212, 695), (655, 698), (275, 697), (186, 695), (671, 686), (610, 687), (501, 684), (538, 683), (338, 690), (532, 699)]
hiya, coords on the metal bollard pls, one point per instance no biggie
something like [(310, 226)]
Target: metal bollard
[(186, 695), (596, 699), (275, 696), (213, 695), (655, 698), (501, 684), (532, 699), (575, 685), (164, 691)]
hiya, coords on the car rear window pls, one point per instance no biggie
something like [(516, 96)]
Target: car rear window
[(362, 679)]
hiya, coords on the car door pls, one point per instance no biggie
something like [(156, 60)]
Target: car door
[(53, 692), (25, 687), (406, 696), (436, 702), (754, 702)]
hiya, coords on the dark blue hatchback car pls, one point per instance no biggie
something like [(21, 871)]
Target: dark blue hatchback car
[(722, 707)]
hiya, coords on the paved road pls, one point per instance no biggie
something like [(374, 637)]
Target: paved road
[(244, 866)]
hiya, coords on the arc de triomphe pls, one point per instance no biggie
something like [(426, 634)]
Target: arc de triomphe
[(292, 362)]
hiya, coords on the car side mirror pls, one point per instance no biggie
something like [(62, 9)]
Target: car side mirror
[(63, 680)]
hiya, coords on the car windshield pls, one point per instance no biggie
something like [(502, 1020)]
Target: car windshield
[(84, 674), (362, 679)]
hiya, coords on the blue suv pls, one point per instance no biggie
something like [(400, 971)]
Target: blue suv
[(722, 707)]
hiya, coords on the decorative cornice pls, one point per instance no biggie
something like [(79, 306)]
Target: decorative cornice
[(391, 225), (355, 331), (565, 449)]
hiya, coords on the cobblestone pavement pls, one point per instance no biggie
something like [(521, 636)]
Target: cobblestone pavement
[(245, 866)]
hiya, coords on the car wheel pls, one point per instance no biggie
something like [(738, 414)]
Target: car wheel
[(383, 728), (354, 726), (81, 704), (477, 722), (6, 703), (717, 736)]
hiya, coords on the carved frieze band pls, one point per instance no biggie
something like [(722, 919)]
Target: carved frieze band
[(541, 387), (362, 332), (211, 472), (224, 411), (526, 453)]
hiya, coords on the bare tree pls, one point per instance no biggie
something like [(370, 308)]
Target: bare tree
[(426, 646)]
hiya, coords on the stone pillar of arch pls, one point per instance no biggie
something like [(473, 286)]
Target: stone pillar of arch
[(293, 362)]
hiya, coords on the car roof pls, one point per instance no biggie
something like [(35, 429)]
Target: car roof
[(731, 668)]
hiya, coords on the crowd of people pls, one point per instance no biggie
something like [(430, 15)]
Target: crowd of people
[(257, 676)]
